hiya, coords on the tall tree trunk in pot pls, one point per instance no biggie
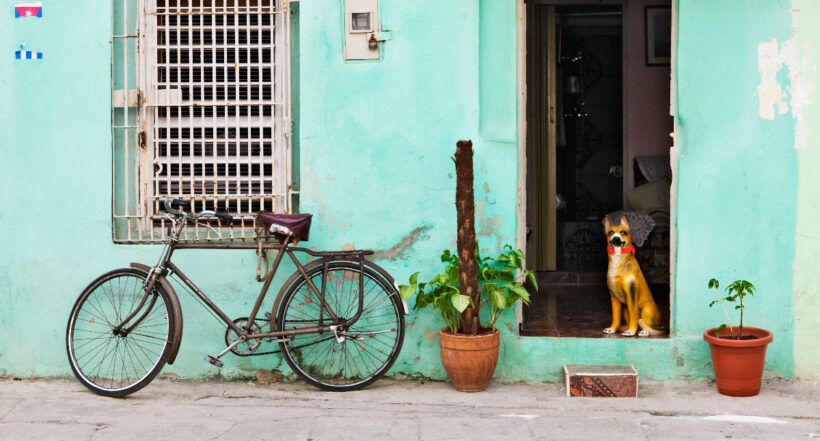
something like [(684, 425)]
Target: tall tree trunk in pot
[(465, 210)]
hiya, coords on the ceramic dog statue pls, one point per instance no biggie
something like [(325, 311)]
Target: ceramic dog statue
[(627, 286)]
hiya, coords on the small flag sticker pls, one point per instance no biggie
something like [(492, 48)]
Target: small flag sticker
[(31, 9), (27, 55)]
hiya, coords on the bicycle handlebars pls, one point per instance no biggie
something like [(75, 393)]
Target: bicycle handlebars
[(174, 205)]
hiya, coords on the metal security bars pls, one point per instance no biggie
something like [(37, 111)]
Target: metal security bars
[(210, 117)]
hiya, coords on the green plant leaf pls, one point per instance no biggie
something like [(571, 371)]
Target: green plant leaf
[(442, 303), (507, 275), (445, 256), (518, 292), (405, 291), (489, 286), (515, 261), (498, 298), (531, 275), (720, 329), (497, 277), (459, 301), (713, 283), (422, 300)]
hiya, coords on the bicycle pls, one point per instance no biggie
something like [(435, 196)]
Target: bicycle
[(338, 320)]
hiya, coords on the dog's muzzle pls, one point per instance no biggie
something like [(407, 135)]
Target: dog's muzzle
[(616, 241)]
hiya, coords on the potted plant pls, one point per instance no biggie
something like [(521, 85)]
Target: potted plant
[(470, 358), (738, 353), (469, 285)]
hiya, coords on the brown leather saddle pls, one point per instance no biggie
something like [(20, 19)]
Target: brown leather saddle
[(296, 226)]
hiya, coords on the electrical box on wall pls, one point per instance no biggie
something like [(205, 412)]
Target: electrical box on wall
[(362, 32)]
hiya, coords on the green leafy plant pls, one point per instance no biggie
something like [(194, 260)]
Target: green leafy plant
[(499, 279), (735, 292)]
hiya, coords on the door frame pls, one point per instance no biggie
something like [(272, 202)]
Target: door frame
[(521, 75)]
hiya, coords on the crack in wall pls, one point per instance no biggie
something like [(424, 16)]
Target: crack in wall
[(399, 250)]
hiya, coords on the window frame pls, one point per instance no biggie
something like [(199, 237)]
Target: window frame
[(137, 98)]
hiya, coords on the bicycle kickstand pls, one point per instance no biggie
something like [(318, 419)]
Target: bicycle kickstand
[(215, 360)]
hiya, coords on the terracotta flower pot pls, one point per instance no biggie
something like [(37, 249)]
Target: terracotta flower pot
[(469, 359), (738, 364)]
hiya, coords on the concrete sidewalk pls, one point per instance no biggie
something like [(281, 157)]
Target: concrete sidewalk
[(403, 410)]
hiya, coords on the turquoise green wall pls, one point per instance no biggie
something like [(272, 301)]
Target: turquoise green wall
[(737, 174), (377, 139), (805, 298), (55, 194), (374, 146)]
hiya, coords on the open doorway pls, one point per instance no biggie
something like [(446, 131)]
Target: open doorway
[(597, 143)]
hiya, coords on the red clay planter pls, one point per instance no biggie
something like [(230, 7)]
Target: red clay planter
[(739, 364), (469, 359)]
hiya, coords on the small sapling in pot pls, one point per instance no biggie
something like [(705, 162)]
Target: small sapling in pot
[(738, 353)]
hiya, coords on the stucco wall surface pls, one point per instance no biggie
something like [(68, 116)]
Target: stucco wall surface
[(375, 146), (737, 180), (805, 297), (375, 140)]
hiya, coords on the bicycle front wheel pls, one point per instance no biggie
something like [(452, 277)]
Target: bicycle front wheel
[(368, 347), (118, 364)]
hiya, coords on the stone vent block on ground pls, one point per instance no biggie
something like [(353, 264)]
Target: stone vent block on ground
[(601, 381)]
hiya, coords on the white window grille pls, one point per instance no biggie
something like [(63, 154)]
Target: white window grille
[(208, 118)]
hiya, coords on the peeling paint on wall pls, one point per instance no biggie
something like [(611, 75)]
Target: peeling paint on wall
[(772, 57), (431, 337)]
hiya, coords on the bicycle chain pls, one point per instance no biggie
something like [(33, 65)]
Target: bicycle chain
[(279, 350), (292, 347)]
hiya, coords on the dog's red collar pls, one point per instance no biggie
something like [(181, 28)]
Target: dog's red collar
[(624, 250)]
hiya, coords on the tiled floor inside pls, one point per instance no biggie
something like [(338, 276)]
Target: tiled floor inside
[(577, 305)]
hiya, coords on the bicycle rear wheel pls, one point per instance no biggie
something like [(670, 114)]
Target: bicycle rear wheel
[(112, 364), (371, 345)]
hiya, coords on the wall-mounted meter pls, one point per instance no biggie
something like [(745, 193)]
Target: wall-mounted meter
[(362, 33), (360, 22)]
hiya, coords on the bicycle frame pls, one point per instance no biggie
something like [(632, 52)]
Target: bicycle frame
[(166, 267)]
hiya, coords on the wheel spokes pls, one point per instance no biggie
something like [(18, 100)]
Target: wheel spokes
[(115, 361), (371, 340)]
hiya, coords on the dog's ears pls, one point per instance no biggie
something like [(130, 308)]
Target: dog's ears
[(624, 222), (607, 223)]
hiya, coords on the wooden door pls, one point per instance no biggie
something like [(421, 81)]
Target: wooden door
[(541, 137)]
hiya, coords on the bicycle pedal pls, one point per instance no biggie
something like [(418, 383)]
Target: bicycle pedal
[(214, 361)]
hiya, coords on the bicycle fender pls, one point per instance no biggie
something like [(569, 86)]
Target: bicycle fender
[(315, 263), (390, 279), (177, 311)]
